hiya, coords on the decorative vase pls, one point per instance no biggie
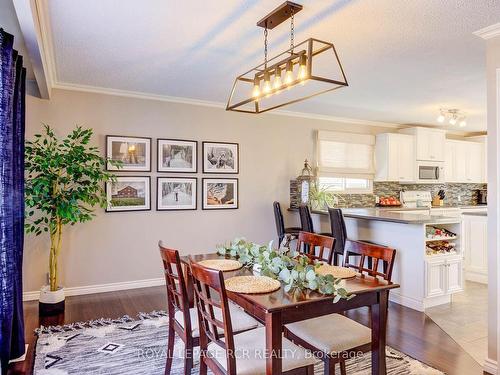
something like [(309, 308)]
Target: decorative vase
[(51, 302)]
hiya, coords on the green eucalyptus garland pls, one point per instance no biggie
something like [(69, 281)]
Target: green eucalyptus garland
[(293, 269)]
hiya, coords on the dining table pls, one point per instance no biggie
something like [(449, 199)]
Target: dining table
[(276, 309)]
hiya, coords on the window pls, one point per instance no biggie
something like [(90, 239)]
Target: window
[(345, 161)]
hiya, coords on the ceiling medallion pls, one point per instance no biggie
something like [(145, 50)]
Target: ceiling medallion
[(453, 116), (304, 70)]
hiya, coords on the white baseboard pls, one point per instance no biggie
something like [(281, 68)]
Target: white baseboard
[(490, 366), (100, 288), (406, 301)]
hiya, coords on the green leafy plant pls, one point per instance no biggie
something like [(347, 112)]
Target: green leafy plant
[(293, 269), (63, 185), (322, 198)]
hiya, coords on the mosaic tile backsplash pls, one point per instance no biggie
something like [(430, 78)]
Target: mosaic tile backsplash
[(467, 193)]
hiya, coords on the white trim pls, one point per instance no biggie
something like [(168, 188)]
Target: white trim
[(412, 303), (100, 288), (488, 32), (490, 366)]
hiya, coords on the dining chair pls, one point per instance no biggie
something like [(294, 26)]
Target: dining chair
[(280, 224), (232, 354), (339, 232), (316, 246), (334, 338), (182, 319), (307, 223)]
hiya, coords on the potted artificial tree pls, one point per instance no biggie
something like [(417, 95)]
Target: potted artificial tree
[(64, 183)]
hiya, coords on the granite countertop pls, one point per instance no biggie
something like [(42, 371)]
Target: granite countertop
[(400, 214), (475, 213)]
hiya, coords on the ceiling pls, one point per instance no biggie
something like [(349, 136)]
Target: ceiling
[(403, 59)]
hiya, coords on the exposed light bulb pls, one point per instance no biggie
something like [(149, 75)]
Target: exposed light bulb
[(256, 88), (277, 79), (462, 123), (289, 73), (453, 120), (302, 68), (441, 118), (267, 83)]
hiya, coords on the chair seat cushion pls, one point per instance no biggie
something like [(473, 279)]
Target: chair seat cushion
[(331, 333), (241, 321), (250, 353)]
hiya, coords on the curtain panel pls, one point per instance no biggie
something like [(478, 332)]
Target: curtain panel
[(12, 117)]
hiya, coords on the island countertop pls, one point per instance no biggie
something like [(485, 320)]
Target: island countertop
[(397, 216)]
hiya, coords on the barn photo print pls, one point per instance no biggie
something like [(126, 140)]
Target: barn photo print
[(129, 194), (220, 157), (220, 193), (175, 155), (176, 193)]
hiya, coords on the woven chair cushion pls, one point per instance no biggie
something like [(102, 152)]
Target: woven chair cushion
[(331, 333), (250, 349)]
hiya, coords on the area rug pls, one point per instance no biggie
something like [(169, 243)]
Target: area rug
[(127, 346)]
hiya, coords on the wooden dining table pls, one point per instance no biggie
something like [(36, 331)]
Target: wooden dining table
[(278, 308)]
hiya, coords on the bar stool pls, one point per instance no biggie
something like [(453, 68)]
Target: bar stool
[(280, 224), (307, 225)]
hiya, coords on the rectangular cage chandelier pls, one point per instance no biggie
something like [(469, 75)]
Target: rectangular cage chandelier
[(303, 71)]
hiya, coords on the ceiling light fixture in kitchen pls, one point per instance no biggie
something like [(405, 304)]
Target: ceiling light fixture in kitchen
[(304, 70), (454, 117)]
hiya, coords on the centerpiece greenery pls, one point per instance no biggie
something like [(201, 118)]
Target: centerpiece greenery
[(64, 182), (293, 269)]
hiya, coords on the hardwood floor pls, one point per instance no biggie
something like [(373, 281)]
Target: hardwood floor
[(409, 331)]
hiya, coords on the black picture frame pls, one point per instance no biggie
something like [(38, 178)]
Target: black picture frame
[(236, 170), (214, 179), (194, 179), (159, 160), (148, 155), (148, 201)]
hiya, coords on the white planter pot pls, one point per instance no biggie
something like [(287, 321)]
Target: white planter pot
[(51, 303)]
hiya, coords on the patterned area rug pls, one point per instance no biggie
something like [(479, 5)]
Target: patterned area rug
[(129, 347)]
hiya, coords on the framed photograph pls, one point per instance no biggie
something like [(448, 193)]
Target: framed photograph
[(176, 193), (133, 152), (129, 194), (220, 157), (177, 156), (220, 193)]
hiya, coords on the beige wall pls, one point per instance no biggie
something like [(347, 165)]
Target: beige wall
[(118, 247)]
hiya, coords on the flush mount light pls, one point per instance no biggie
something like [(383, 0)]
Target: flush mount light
[(304, 70), (454, 117)]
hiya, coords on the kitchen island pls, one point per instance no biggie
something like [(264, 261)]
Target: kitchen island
[(427, 278)]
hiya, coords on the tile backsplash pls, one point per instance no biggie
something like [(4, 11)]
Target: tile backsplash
[(456, 194)]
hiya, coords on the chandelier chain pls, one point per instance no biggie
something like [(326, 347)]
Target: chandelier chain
[(265, 47), (292, 30)]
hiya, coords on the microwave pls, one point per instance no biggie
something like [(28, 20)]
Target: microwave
[(430, 172)]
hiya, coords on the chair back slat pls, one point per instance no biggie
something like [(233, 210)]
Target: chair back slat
[(338, 228), (208, 285), (377, 253), (316, 246), (305, 219), (177, 296), (280, 222)]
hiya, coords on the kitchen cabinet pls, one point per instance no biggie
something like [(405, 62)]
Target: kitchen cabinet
[(443, 275), (429, 143), (464, 162), (395, 157), (475, 244)]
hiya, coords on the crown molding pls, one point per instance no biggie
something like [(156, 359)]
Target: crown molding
[(206, 103), (488, 32)]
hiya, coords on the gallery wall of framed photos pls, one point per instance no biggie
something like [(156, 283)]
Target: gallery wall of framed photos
[(178, 157)]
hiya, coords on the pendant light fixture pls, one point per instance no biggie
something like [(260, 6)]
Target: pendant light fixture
[(304, 70)]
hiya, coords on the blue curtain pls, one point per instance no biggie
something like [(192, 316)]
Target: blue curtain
[(12, 110)]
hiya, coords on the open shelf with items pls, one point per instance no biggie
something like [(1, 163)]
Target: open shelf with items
[(442, 239)]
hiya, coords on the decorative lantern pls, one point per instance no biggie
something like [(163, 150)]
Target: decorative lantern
[(305, 180)]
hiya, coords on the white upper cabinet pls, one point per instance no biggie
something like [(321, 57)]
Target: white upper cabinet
[(465, 162), (395, 157), (429, 143)]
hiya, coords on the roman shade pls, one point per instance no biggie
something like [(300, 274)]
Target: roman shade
[(347, 155)]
